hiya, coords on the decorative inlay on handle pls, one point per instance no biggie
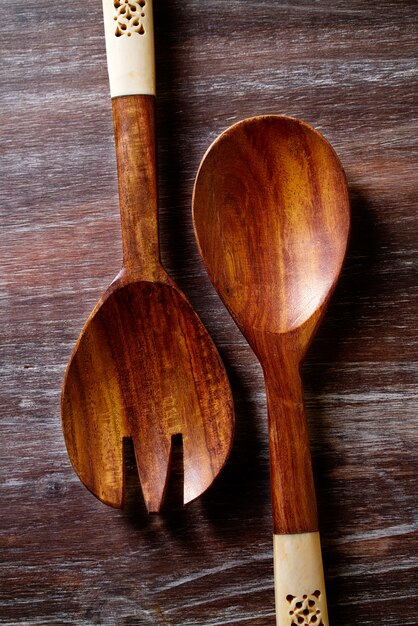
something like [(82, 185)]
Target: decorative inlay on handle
[(128, 17), (304, 611)]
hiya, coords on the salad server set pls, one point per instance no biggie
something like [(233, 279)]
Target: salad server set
[(271, 218)]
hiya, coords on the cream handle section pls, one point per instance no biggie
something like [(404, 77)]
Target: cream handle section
[(299, 580), (129, 34)]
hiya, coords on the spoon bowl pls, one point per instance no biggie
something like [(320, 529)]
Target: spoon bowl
[(271, 218)]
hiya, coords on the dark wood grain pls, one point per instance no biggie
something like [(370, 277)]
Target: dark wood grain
[(348, 68)]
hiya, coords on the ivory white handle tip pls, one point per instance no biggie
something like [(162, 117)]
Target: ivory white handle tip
[(129, 34), (299, 580)]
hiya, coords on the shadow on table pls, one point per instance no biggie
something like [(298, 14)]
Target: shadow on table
[(348, 311)]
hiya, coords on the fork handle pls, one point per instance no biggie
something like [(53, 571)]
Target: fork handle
[(131, 65), (129, 34)]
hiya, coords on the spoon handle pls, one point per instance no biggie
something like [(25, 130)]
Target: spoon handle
[(298, 570)]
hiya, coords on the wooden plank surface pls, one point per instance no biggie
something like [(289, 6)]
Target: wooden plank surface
[(349, 68)]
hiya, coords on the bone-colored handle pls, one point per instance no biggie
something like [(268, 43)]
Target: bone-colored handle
[(299, 580), (129, 34)]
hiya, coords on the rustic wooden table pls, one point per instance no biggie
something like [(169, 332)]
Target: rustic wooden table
[(348, 68)]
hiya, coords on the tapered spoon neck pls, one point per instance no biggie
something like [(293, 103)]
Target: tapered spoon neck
[(280, 355), (134, 126), (282, 374)]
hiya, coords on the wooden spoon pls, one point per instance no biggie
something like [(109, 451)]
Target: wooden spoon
[(271, 215), (144, 366)]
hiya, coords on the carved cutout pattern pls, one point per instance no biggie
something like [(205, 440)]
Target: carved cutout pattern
[(304, 611), (129, 16)]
